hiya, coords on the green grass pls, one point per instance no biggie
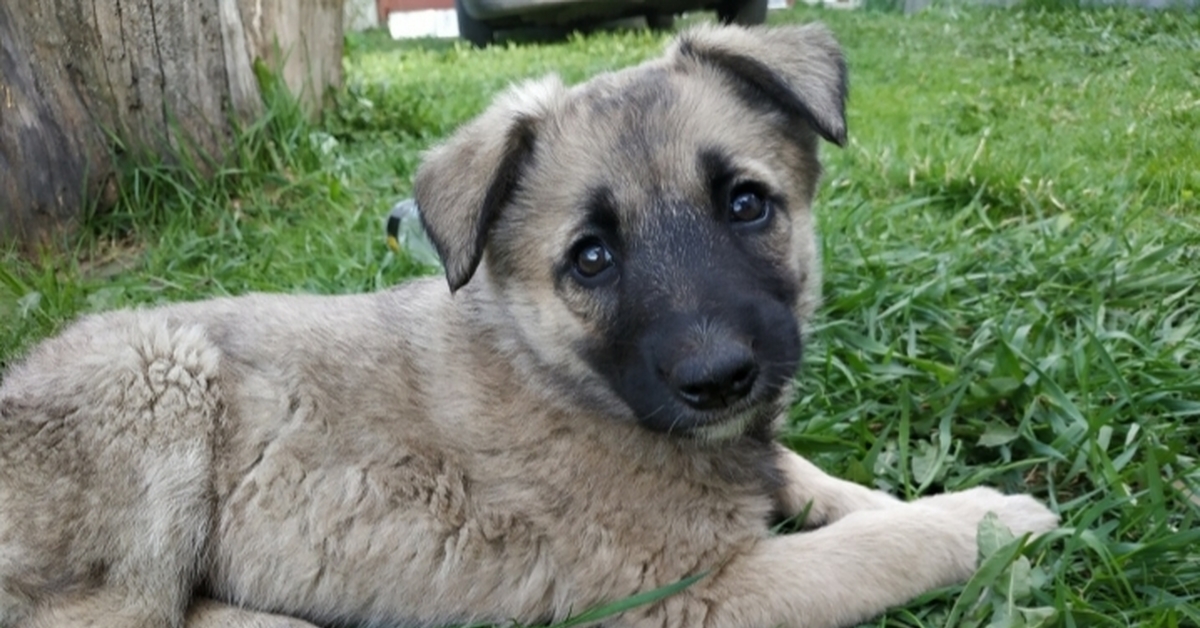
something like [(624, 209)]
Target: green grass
[(1012, 250)]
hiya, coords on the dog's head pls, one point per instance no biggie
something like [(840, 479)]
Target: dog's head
[(647, 234)]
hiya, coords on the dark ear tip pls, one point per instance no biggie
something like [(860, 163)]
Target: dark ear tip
[(456, 278), (836, 136)]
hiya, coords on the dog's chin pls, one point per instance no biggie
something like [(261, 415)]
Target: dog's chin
[(727, 428), (714, 426)]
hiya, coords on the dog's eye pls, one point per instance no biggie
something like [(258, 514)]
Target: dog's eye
[(591, 259), (746, 206)]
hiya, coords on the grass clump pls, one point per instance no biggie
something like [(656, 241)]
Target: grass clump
[(1011, 242)]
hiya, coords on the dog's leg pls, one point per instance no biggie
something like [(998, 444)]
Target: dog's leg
[(107, 608), (206, 613), (826, 498), (99, 611), (852, 569)]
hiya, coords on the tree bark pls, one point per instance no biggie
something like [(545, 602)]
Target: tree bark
[(83, 80)]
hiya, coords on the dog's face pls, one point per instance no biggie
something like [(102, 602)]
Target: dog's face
[(647, 235)]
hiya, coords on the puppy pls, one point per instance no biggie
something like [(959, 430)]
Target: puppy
[(586, 414)]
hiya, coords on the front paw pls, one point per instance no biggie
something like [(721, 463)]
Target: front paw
[(1021, 513)]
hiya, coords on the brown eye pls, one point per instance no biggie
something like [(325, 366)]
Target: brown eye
[(747, 206), (592, 259)]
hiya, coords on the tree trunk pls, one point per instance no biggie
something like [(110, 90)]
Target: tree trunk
[(81, 80)]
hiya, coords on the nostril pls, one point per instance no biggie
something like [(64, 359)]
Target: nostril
[(695, 394), (743, 379)]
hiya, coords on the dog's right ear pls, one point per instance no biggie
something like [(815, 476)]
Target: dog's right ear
[(464, 182)]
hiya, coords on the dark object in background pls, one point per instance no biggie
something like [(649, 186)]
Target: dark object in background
[(478, 20)]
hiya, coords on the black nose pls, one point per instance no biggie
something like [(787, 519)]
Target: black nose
[(717, 380)]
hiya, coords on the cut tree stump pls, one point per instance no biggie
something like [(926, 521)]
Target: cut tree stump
[(81, 80)]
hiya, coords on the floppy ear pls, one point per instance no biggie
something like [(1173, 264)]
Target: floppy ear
[(798, 69), (462, 183)]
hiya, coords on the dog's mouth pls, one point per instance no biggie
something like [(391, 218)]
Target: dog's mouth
[(726, 428), (759, 408)]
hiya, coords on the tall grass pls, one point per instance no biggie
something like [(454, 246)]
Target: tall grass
[(1012, 245)]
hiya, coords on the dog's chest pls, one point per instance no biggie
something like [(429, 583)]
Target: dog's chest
[(618, 517), (562, 523)]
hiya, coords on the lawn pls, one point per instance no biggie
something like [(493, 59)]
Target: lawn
[(1012, 250)]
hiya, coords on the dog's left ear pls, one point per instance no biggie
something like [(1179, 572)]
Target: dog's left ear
[(463, 183), (799, 69)]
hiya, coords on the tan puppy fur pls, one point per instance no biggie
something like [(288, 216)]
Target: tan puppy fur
[(585, 415)]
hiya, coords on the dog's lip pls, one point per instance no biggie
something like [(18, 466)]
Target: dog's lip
[(725, 428), (729, 422), (762, 395)]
